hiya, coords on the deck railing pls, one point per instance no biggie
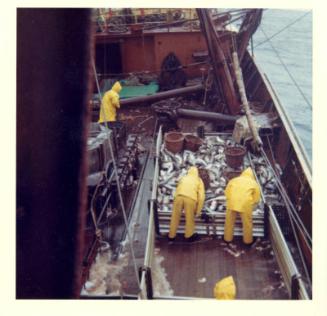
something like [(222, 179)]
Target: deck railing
[(150, 244), (285, 259)]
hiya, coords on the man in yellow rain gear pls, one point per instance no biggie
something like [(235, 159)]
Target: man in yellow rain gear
[(189, 196), (242, 193), (110, 102), (225, 289)]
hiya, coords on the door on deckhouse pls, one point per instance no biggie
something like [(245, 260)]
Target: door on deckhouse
[(108, 58)]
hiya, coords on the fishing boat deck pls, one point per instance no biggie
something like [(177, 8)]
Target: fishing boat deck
[(194, 268), (138, 230)]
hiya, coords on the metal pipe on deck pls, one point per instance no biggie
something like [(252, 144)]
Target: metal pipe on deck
[(203, 115), (162, 95)]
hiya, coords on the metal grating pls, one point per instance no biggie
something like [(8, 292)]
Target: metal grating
[(214, 227)]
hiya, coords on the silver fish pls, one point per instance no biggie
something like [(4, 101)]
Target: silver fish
[(200, 161), (233, 253), (215, 184), (222, 182), (213, 206), (191, 158), (215, 171), (166, 199), (207, 159), (167, 179), (219, 191), (221, 208), (178, 159), (220, 140)]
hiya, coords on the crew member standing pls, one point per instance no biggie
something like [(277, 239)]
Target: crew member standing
[(189, 197), (110, 104), (242, 194)]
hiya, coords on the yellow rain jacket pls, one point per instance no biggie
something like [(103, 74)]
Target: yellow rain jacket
[(189, 196), (225, 289), (192, 187), (242, 192), (110, 102)]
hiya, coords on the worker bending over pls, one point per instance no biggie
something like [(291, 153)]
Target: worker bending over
[(109, 104), (189, 196), (242, 194)]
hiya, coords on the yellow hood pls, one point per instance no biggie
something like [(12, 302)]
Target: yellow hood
[(248, 173), (193, 171), (116, 87), (225, 289)]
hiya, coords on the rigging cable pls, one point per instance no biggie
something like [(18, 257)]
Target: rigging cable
[(118, 184), (288, 202), (285, 67), (288, 212), (283, 29), (291, 221)]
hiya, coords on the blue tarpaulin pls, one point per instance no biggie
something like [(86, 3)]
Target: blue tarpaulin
[(130, 91)]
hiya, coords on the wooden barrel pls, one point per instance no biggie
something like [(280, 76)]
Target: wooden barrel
[(234, 156), (192, 142), (174, 142)]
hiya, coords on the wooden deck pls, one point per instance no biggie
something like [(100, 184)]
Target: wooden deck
[(193, 269)]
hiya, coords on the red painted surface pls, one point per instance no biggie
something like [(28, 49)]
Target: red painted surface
[(183, 45), (145, 52), (138, 54)]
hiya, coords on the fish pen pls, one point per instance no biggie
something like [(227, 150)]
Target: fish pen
[(211, 157), (265, 271)]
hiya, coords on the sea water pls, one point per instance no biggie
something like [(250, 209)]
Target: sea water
[(294, 47)]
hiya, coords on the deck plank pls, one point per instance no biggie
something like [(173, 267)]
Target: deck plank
[(253, 270)]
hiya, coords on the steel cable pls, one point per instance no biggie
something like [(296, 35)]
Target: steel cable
[(285, 67), (283, 29), (287, 200), (288, 206)]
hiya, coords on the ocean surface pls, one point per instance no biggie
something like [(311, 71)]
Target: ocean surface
[(294, 48)]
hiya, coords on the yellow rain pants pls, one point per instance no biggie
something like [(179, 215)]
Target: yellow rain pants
[(225, 289), (242, 193), (189, 207), (189, 196), (110, 104), (246, 223)]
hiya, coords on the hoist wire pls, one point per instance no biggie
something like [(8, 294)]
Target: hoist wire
[(283, 29), (118, 183), (292, 219), (288, 204), (285, 67)]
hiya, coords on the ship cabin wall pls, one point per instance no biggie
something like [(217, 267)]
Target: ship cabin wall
[(183, 45), (146, 52), (138, 54)]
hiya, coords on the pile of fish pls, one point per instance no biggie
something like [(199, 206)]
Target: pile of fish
[(267, 180), (211, 157)]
